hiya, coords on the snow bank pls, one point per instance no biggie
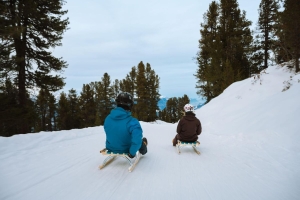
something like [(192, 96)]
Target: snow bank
[(249, 150)]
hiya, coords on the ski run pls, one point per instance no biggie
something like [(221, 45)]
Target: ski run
[(249, 150)]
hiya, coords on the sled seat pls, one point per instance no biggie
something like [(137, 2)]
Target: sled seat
[(105, 152), (181, 143)]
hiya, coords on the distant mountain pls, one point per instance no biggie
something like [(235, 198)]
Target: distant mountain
[(197, 103), (162, 103)]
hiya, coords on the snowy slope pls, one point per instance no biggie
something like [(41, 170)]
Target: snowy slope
[(249, 150)]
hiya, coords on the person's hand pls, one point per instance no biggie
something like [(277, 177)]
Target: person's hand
[(130, 156)]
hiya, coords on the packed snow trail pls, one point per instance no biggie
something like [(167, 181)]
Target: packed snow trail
[(229, 167), (249, 150)]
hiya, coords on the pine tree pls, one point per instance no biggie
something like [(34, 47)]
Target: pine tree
[(104, 98), (31, 28), (152, 87), (208, 57), (68, 113), (129, 83), (281, 48), (147, 93), (51, 118), (291, 28), (98, 89), (10, 114), (87, 106), (107, 97), (182, 101), (224, 45), (257, 57), (6, 49), (73, 111), (42, 109), (174, 109), (62, 112), (46, 109), (268, 14), (115, 88), (236, 39), (142, 94)]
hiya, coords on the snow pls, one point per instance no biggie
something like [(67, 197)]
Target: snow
[(249, 150)]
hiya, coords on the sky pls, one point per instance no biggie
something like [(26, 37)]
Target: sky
[(113, 36), (249, 150)]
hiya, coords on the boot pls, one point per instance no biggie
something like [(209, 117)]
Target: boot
[(145, 141), (143, 149), (174, 143)]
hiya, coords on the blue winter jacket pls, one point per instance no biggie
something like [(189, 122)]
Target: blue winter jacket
[(123, 132)]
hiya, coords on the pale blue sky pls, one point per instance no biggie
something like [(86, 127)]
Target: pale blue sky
[(113, 36)]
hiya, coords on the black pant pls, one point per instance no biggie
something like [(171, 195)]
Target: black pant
[(143, 149)]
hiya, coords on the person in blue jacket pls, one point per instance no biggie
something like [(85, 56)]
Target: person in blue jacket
[(124, 133)]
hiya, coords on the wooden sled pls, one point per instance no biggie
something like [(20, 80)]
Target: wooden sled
[(181, 144), (111, 156)]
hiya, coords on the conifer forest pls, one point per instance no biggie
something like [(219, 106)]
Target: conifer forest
[(228, 51)]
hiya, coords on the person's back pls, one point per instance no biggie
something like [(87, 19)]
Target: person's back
[(124, 133), (189, 126)]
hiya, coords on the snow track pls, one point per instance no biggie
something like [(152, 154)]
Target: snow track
[(230, 168)]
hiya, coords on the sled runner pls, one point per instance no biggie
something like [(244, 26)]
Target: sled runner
[(181, 144), (111, 156)]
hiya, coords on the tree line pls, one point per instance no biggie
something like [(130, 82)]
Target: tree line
[(174, 109), (89, 108), (230, 52), (28, 31)]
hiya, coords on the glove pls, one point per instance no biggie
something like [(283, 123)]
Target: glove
[(130, 156)]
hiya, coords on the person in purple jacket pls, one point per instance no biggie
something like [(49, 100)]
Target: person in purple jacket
[(124, 133), (189, 126)]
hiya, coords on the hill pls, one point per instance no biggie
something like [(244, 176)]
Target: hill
[(249, 150)]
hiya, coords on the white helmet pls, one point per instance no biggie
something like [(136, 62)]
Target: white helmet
[(188, 108)]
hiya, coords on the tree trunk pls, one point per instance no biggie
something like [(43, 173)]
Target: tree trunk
[(20, 45), (297, 62), (266, 48)]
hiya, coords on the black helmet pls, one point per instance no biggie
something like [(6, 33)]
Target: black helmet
[(125, 99)]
